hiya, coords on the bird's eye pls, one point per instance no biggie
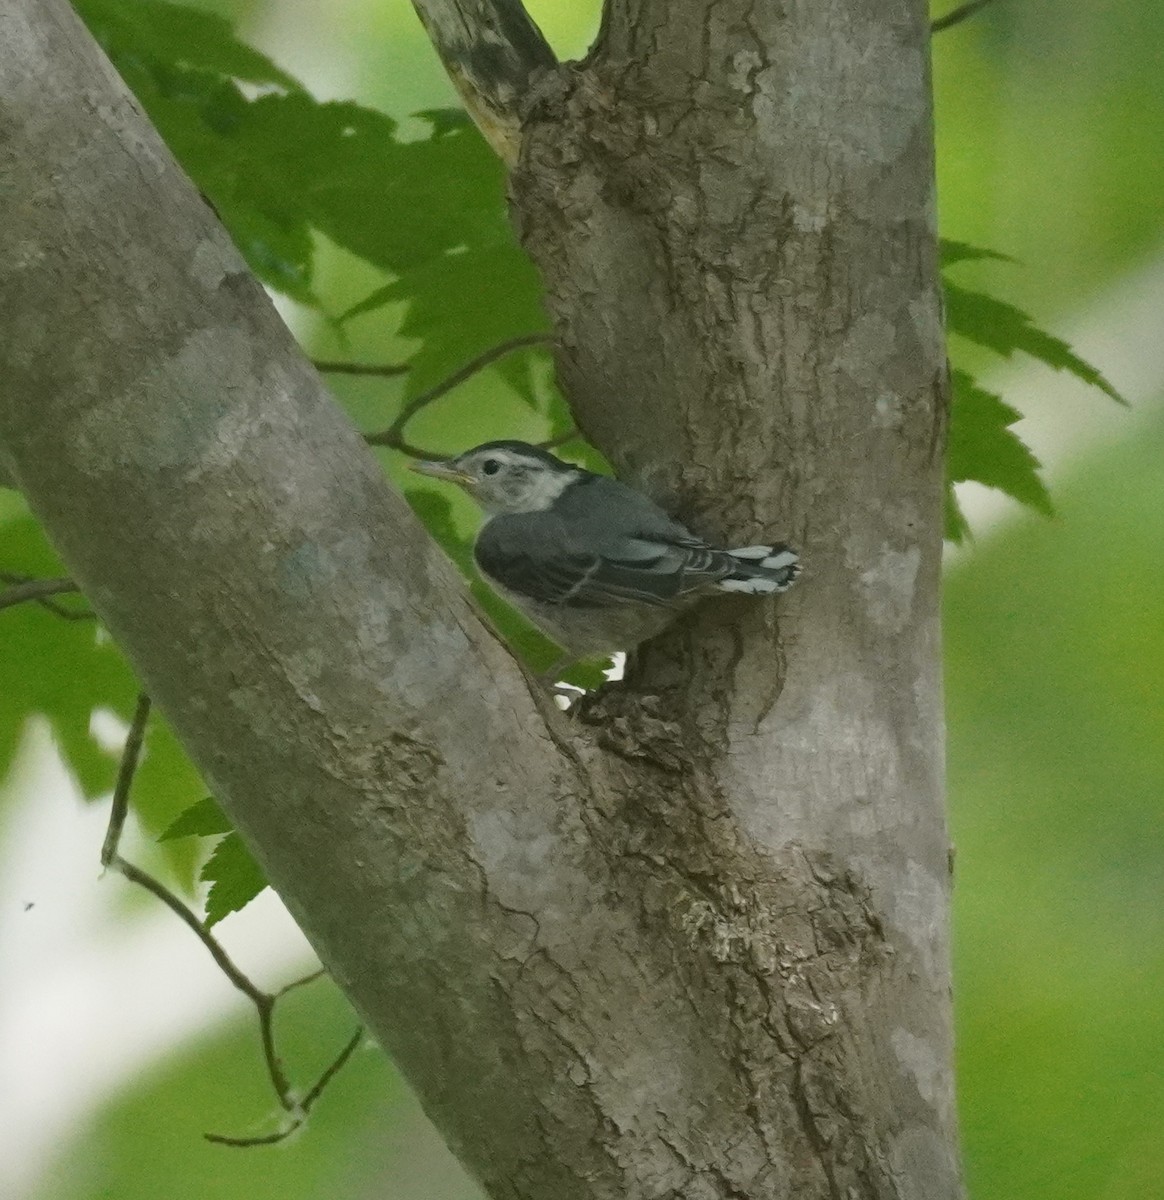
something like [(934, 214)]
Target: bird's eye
[(490, 466)]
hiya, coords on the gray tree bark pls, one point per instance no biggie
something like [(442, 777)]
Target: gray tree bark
[(693, 942)]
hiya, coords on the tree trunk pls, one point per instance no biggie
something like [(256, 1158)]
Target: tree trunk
[(692, 942)]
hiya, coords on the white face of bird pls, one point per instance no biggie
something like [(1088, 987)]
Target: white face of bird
[(505, 477)]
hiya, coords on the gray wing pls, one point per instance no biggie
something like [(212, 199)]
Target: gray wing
[(602, 544)]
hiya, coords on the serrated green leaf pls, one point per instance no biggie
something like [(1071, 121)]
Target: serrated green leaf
[(952, 253), (395, 204), (166, 784), (526, 371), (281, 166), (1003, 328), (956, 527), (983, 447), (444, 120), (234, 876), (153, 30), (461, 305), (204, 819)]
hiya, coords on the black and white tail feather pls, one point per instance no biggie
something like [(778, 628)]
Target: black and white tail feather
[(766, 570)]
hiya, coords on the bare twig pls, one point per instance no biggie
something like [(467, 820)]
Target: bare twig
[(39, 591), (264, 1002), (130, 757), (189, 917), (331, 1070), (958, 15), (298, 983), (393, 436), (328, 366), (305, 1106)]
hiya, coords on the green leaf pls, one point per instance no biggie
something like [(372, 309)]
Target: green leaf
[(467, 283), (957, 528), (443, 120), (983, 448), (281, 167), (372, 301), (529, 373), (235, 879), (201, 117), (1003, 328), (204, 819), (461, 305), (395, 204), (952, 253), (152, 30)]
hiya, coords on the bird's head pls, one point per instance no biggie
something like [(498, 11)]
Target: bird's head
[(506, 477)]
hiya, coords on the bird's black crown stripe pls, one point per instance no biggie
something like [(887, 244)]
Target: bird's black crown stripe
[(524, 448)]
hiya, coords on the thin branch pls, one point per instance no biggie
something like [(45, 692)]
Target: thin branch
[(327, 366), (39, 591), (264, 1002), (264, 1139), (329, 1072), (958, 15), (111, 857), (136, 875), (493, 52), (130, 757), (279, 1080), (298, 983), (393, 436)]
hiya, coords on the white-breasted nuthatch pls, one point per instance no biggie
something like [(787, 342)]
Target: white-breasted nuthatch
[(593, 563)]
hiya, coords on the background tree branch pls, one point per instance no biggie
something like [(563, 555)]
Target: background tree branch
[(493, 53)]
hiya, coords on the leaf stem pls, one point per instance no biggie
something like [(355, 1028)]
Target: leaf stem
[(393, 436)]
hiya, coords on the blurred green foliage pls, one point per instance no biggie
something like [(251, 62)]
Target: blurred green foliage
[(148, 1143), (1055, 699), (393, 238)]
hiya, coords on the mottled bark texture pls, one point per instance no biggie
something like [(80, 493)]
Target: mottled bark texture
[(690, 944)]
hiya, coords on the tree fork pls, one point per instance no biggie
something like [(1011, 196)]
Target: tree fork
[(697, 947)]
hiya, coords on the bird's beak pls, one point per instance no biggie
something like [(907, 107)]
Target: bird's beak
[(441, 470)]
